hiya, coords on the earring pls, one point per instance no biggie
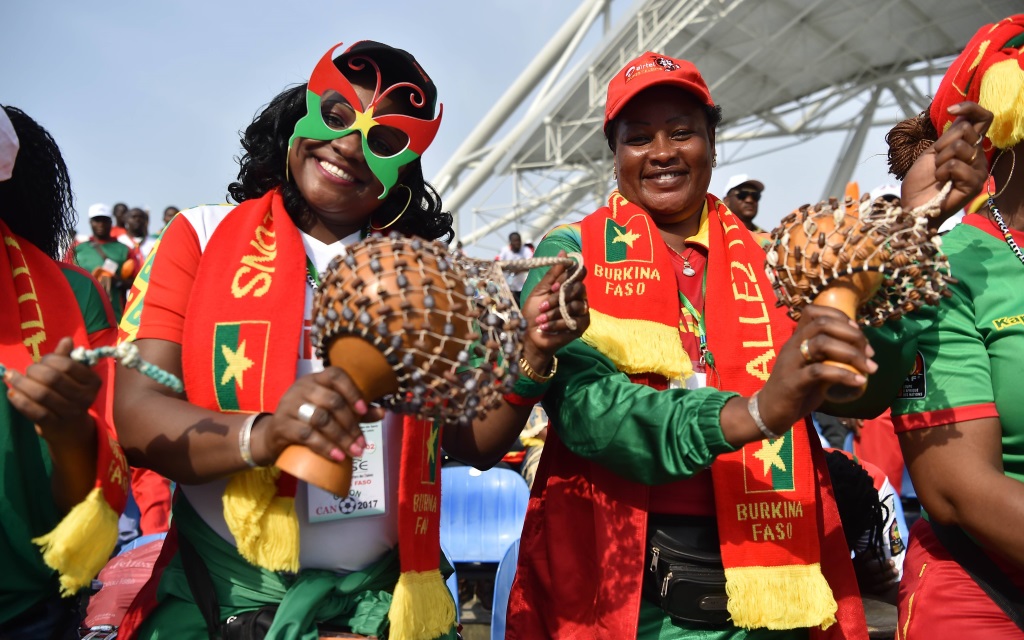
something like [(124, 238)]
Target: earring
[(400, 213), (286, 155), (714, 161), (1013, 165)]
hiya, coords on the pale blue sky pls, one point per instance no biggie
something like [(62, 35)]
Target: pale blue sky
[(146, 99)]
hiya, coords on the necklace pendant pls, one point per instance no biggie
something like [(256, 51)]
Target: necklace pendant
[(687, 269)]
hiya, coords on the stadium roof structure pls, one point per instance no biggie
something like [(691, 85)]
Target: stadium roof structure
[(784, 69)]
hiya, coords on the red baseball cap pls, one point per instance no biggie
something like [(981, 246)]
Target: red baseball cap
[(649, 70)]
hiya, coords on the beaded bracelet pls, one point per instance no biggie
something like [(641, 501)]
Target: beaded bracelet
[(128, 355)]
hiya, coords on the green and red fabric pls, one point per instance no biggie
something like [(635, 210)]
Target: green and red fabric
[(980, 330), (46, 301), (613, 439), (90, 255)]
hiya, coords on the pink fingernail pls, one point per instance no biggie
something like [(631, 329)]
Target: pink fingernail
[(542, 318), (545, 305), (355, 449), (360, 406), (337, 455), (361, 441)]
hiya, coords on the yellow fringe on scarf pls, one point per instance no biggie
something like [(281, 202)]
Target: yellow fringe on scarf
[(1002, 93), (639, 346), (779, 598), (422, 607), (264, 524), (81, 544)]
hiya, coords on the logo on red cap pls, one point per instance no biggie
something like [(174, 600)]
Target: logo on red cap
[(637, 70)]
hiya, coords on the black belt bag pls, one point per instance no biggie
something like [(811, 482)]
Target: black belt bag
[(683, 573)]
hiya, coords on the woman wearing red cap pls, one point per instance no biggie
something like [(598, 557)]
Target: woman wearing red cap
[(225, 301), (959, 418), (680, 439)]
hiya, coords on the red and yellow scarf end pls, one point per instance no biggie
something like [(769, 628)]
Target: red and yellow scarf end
[(639, 346), (422, 607), (263, 523), (81, 543), (781, 597)]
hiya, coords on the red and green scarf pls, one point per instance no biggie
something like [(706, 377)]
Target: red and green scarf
[(36, 299), (240, 353), (772, 497)]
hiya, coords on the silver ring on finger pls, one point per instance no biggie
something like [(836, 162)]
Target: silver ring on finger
[(306, 411), (805, 351)]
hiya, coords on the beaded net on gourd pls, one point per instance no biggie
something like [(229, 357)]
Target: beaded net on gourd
[(815, 246), (447, 325)]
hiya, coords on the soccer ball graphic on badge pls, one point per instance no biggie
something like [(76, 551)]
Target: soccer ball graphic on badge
[(348, 505)]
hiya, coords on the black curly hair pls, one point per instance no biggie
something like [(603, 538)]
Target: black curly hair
[(262, 168), (860, 511), (37, 202)]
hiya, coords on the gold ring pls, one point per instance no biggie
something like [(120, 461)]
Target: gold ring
[(805, 351), (973, 155)]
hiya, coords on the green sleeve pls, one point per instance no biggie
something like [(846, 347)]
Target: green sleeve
[(640, 433), (92, 302), (563, 238), (895, 345)]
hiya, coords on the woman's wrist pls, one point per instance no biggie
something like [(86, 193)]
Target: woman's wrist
[(538, 361), (262, 453)]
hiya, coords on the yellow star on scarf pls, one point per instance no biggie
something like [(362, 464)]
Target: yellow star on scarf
[(627, 238), (769, 454), (238, 364), (432, 445)]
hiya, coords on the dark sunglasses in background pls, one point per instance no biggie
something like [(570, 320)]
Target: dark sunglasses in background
[(743, 194)]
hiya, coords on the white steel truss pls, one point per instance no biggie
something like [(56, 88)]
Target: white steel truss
[(785, 70)]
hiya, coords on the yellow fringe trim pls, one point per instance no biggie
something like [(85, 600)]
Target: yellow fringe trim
[(1002, 93), (422, 607), (779, 598), (81, 544), (264, 524), (639, 346)]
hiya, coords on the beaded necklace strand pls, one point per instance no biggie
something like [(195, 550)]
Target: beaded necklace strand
[(1002, 227)]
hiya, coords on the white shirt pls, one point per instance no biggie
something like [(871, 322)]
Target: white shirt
[(337, 545)]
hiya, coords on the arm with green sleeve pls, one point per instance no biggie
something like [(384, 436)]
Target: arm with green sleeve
[(640, 433)]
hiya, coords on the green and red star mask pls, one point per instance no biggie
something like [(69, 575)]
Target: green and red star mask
[(334, 110)]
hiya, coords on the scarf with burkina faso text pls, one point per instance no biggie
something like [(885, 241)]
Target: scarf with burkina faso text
[(241, 354), (773, 499), (37, 297)]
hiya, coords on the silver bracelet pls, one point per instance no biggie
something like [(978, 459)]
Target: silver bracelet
[(245, 439), (755, 413)]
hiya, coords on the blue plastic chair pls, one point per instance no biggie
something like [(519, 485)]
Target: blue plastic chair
[(502, 587), (482, 512), (138, 542)]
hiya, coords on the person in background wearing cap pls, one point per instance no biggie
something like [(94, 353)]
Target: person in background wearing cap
[(108, 260), (227, 303), (959, 415), (742, 196), (659, 427), (63, 472)]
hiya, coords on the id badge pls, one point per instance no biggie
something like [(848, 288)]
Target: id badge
[(368, 494)]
